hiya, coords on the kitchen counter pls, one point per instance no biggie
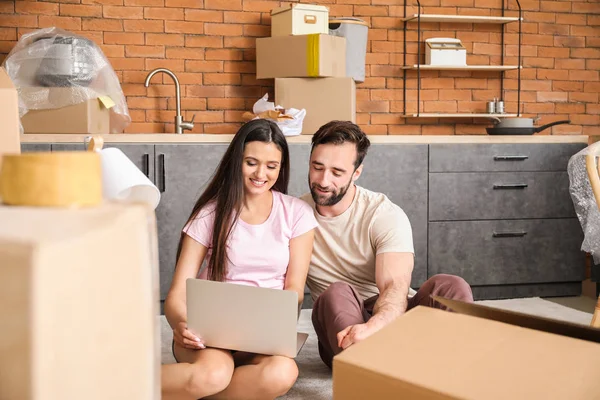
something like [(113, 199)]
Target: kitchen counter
[(201, 138)]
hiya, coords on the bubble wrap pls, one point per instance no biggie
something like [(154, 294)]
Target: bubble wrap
[(51, 57), (584, 201)]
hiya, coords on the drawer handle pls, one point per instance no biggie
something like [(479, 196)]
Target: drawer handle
[(510, 186), (509, 234), (310, 19), (162, 166), (510, 158), (146, 164)]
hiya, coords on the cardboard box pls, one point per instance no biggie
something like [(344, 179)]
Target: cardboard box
[(9, 115), (489, 354), (79, 303), (300, 56), (299, 19), (325, 99), (88, 117)]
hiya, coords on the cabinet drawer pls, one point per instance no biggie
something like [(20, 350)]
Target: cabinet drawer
[(508, 252), (499, 195), (501, 157)]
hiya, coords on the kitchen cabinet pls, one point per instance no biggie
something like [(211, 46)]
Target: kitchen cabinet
[(400, 172), (514, 241), (182, 173), (501, 217)]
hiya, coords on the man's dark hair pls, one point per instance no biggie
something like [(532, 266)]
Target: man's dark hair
[(340, 132)]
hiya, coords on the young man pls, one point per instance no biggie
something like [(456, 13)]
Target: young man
[(363, 253)]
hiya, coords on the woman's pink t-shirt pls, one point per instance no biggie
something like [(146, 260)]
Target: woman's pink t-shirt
[(258, 254)]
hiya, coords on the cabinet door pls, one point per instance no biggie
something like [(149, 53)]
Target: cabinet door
[(400, 171), (34, 147), (499, 195), (142, 155), (508, 252), (299, 157), (182, 173), (500, 157)]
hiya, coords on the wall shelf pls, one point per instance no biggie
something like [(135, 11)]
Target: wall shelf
[(461, 67), (468, 19), (498, 20), (457, 115)]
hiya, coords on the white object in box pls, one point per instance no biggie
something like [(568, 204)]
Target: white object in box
[(299, 19), (445, 51)]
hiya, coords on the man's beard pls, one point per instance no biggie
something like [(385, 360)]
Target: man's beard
[(326, 201)]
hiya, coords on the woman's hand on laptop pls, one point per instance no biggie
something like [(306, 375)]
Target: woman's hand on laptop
[(186, 338)]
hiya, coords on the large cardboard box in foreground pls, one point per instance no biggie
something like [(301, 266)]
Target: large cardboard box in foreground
[(314, 55), (9, 116), (87, 117), (433, 354), (79, 303), (325, 99)]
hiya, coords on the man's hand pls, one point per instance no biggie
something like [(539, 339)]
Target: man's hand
[(354, 334)]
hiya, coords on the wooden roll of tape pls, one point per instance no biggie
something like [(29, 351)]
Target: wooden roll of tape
[(58, 179)]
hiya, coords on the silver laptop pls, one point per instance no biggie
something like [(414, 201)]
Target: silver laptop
[(245, 318)]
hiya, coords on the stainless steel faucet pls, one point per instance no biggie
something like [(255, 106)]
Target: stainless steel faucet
[(180, 124)]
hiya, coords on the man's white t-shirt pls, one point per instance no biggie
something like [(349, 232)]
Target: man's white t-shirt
[(345, 246)]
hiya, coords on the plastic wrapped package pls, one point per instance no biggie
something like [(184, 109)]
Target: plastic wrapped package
[(584, 201), (51, 57), (289, 120)]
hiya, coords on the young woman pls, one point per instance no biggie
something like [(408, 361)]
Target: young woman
[(250, 233)]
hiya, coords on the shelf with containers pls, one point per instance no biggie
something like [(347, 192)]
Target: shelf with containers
[(466, 19)]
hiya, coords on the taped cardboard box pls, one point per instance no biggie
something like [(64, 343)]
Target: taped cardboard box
[(325, 99), (9, 115), (476, 353), (79, 303), (299, 19), (88, 117), (314, 55)]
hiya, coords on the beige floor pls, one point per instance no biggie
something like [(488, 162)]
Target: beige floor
[(581, 303)]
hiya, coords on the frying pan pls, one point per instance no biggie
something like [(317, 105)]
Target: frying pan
[(499, 130)]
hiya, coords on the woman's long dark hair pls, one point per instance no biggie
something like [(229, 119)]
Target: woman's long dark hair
[(226, 188)]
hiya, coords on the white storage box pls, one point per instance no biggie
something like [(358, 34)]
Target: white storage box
[(299, 19), (445, 51)]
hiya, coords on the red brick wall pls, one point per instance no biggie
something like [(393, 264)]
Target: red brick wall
[(210, 45)]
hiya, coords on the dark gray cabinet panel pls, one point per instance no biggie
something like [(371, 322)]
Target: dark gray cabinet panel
[(499, 195), (299, 157), (142, 155), (501, 157), (400, 171), (182, 173), (35, 147), (508, 252), (554, 289)]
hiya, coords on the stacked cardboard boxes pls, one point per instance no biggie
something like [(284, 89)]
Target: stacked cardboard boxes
[(308, 64)]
